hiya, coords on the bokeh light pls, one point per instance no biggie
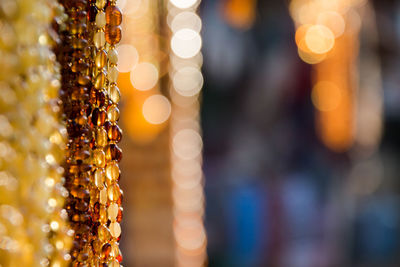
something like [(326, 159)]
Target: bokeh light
[(144, 76), (186, 43), (156, 109)]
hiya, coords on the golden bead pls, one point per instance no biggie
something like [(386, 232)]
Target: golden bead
[(113, 114), (112, 212), (113, 56), (115, 229), (103, 233), (101, 19), (99, 158), (100, 81), (113, 192), (100, 4), (99, 178), (101, 59), (99, 39), (103, 214), (112, 74), (101, 137), (103, 196), (114, 94), (113, 34), (113, 263), (112, 172)]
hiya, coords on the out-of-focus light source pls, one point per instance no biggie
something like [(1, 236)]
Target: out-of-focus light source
[(332, 20), (319, 39), (326, 96), (156, 109), (186, 43), (183, 4), (144, 76), (188, 81), (128, 59), (186, 19), (240, 14)]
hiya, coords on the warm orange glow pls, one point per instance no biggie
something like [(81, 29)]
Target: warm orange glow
[(326, 96), (319, 39), (240, 13)]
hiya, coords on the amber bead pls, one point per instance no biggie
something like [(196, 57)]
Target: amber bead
[(81, 154), (83, 79), (113, 192), (103, 233), (81, 206), (101, 59), (112, 172), (112, 211), (103, 197), (113, 263), (113, 152), (120, 214), (92, 13), (99, 158), (77, 28), (105, 251), (100, 80), (112, 74), (98, 117), (99, 39), (103, 214), (99, 178), (96, 245), (115, 229), (100, 98), (115, 133), (101, 137), (77, 14), (113, 16), (101, 3), (101, 19), (113, 34), (114, 94), (113, 113), (79, 43), (112, 56)]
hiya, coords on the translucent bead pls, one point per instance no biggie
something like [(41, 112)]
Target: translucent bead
[(83, 79), (112, 212), (115, 229), (103, 196), (113, 113), (101, 59), (100, 80), (97, 244), (99, 178), (113, 16), (112, 74), (114, 94), (114, 133), (113, 192), (103, 233), (112, 172), (105, 251), (99, 158), (113, 34), (113, 56), (113, 152), (98, 117), (101, 137), (113, 263), (103, 214), (99, 39), (101, 19), (100, 4)]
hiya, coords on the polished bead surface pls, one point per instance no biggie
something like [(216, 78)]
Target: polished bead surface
[(113, 16)]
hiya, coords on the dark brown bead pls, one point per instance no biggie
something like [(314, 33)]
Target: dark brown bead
[(105, 251), (113, 16), (78, 43), (113, 152), (92, 13), (119, 216), (114, 133), (113, 34), (82, 206), (77, 14), (98, 117)]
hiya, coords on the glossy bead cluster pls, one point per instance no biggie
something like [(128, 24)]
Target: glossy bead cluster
[(33, 230), (106, 196), (90, 105)]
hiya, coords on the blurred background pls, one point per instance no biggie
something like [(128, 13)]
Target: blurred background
[(261, 133)]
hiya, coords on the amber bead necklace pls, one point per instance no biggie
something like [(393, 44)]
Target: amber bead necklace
[(32, 226), (106, 195), (90, 99)]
